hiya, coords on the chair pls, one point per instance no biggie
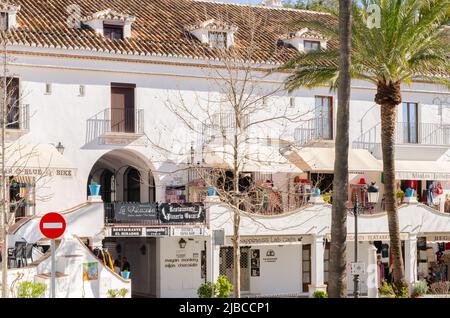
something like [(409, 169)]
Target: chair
[(28, 253), (18, 254)]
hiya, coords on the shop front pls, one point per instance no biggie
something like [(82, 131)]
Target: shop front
[(161, 246), (289, 254)]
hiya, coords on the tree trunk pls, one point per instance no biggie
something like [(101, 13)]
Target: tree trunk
[(236, 219), (388, 123), (4, 216), (338, 250)]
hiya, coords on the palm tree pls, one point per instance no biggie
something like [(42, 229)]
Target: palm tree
[(408, 44), (338, 281)]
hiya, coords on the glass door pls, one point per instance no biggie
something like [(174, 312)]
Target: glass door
[(409, 126), (306, 267)]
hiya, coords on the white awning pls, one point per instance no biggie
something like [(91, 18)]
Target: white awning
[(422, 170), (36, 160), (252, 158), (322, 160)]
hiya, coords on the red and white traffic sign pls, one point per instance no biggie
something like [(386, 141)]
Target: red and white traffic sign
[(52, 225)]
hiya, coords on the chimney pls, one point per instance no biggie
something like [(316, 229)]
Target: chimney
[(272, 3)]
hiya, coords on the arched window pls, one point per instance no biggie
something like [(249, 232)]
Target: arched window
[(151, 188), (132, 185), (107, 186)]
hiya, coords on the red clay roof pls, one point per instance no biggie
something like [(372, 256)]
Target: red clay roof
[(160, 27)]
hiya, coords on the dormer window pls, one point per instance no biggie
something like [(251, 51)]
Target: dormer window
[(311, 45), (305, 40), (217, 34), (111, 24), (217, 39), (4, 23), (113, 32), (8, 16)]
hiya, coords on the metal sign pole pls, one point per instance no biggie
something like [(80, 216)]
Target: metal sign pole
[(53, 270)]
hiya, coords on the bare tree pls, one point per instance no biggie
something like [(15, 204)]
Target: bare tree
[(14, 157), (236, 127)]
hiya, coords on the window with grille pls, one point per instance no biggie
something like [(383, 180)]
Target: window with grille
[(217, 39)]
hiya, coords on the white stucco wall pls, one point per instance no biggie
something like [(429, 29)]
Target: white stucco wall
[(179, 281)]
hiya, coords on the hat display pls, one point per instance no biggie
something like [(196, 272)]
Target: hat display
[(362, 181)]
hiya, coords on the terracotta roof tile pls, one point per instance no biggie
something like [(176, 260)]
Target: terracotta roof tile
[(159, 28)]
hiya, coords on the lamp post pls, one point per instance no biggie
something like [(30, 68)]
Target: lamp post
[(372, 193)]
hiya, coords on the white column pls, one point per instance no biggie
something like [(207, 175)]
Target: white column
[(372, 272), (411, 259), (212, 260), (317, 253)]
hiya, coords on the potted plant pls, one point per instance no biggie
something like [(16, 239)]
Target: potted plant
[(420, 288), (316, 192), (125, 274), (320, 294), (386, 291), (400, 195), (212, 192), (94, 188), (409, 193)]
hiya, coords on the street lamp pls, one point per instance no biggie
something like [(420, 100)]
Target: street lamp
[(372, 193), (60, 148), (182, 242)]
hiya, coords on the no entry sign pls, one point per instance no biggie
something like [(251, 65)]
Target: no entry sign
[(52, 225)]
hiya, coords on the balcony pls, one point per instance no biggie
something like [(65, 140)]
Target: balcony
[(313, 131), (433, 138), (116, 126), (18, 121)]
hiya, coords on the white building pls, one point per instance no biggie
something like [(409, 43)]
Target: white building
[(94, 81)]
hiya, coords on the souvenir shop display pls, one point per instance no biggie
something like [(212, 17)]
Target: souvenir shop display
[(176, 194), (197, 191)]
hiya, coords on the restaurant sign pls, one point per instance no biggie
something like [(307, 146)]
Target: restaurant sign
[(39, 172), (126, 211), (268, 240), (139, 231), (182, 213)]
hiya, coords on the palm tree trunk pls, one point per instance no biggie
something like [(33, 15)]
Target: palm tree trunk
[(388, 123), (338, 249)]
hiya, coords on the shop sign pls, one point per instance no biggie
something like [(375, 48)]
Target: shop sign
[(39, 172), (413, 175), (126, 231), (270, 257), (267, 240), (188, 231), (126, 211), (182, 213), (371, 237), (156, 231), (444, 237)]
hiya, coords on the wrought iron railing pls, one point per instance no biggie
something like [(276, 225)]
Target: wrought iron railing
[(117, 120), (407, 133), (312, 130)]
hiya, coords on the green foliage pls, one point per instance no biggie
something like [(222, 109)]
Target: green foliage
[(386, 290), (29, 289), (327, 197), (313, 5), (400, 194), (402, 293), (320, 294), (206, 290), (408, 44), (94, 183), (420, 288), (113, 293), (223, 287), (123, 292)]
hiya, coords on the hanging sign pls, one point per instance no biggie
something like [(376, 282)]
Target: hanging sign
[(182, 213), (130, 212), (188, 231)]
